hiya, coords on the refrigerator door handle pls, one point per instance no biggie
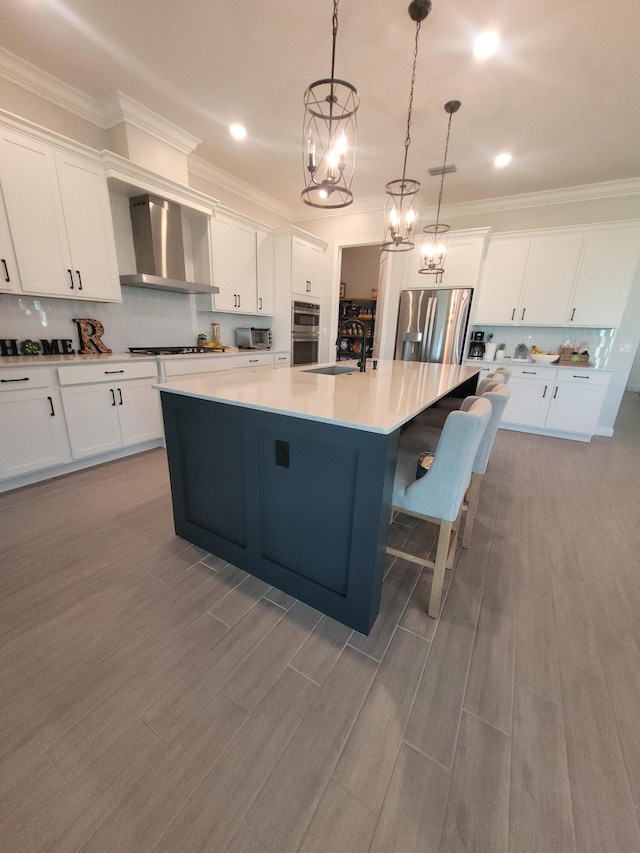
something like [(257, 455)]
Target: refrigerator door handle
[(429, 320), (461, 329)]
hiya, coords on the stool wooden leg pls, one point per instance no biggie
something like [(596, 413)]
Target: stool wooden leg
[(444, 539), (473, 500)]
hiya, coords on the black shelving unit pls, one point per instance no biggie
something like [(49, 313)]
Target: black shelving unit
[(349, 341)]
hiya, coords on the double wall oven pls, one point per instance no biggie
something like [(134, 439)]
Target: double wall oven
[(305, 332)]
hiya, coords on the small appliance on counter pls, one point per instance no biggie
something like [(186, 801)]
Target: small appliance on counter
[(248, 337), (476, 348)]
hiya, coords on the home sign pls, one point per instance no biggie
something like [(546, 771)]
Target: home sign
[(90, 334)]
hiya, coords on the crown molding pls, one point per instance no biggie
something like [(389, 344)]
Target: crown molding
[(38, 82), (118, 107), (204, 169), (566, 195)]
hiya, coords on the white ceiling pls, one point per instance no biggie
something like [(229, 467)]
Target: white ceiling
[(562, 95)]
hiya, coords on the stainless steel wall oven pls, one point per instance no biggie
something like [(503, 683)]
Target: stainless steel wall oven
[(305, 332)]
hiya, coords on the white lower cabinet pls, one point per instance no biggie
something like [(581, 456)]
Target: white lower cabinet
[(32, 428), (562, 400), (107, 407)]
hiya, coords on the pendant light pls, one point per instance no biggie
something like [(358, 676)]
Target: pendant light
[(329, 137), (434, 248), (400, 210)]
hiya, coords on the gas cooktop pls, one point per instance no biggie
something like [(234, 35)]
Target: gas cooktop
[(169, 350)]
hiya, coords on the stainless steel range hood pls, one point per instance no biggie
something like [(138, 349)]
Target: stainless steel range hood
[(158, 244)]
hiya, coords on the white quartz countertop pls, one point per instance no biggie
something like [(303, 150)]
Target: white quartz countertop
[(76, 358), (377, 401)]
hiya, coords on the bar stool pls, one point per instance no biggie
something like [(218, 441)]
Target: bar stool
[(438, 496), (436, 415), (418, 438)]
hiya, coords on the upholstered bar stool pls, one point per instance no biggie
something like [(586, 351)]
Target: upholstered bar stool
[(438, 496), (419, 438), (436, 415), (498, 396)]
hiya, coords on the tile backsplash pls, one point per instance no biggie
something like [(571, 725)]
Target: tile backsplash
[(144, 318), (598, 342)]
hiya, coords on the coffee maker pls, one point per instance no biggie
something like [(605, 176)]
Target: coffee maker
[(476, 348)]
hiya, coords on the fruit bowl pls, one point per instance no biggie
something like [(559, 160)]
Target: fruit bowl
[(544, 357)]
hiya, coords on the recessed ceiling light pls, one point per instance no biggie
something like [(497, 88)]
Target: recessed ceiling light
[(486, 44), (502, 160), (238, 131)]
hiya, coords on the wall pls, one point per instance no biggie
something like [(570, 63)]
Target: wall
[(360, 270), (365, 228), (633, 383)]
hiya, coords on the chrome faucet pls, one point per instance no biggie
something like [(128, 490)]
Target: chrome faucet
[(362, 362)]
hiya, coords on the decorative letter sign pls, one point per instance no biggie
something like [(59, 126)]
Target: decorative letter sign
[(90, 332)]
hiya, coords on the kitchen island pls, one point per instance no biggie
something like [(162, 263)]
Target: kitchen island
[(288, 474)]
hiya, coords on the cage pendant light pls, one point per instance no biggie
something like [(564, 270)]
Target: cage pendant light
[(400, 209), (329, 137), (434, 248)]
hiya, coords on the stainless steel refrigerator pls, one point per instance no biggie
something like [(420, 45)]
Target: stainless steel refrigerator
[(432, 324)]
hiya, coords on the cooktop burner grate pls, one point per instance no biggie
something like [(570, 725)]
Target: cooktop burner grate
[(167, 350)]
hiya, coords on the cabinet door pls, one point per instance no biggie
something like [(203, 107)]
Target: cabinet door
[(9, 277), (32, 431), (139, 412), (246, 271), (528, 401), (224, 268), (608, 264), (498, 297), (87, 214), (266, 280), (549, 279), (36, 219), (575, 407), (305, 267), (91, 412), (461, 265)]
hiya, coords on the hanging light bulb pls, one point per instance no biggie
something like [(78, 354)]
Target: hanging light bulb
[(329, 149), (400, 210), (434, 248)]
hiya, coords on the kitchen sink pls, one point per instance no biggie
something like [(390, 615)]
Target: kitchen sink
[(332, 370)]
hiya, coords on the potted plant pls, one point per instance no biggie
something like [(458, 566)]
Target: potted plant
[(500, 351)]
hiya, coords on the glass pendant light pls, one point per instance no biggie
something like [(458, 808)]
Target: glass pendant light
[(434, 248), (329, 137), (400, 210)]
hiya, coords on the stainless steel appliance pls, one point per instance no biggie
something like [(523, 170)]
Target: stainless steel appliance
[(432, 324), (158, 242), (477, 345), (305, 332), (249, 337)]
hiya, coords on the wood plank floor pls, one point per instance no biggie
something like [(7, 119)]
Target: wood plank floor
[(154, 698)]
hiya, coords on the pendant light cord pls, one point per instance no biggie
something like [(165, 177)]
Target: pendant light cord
[(407, 139), (444, 166), (335, 35)]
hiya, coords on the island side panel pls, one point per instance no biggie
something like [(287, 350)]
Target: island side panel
[(303, 505)]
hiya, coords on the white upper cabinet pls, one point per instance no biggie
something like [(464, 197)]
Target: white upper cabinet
[(549, 279), (607, 267), (305, 267), (498, 295), (266, 277), (234, 264), (60, 221), (462, 265), (9, 276), (559, 277)]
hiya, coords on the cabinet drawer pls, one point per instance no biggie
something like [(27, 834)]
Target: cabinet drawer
[(254, 360), (582, 377), (79, 374), (19, 378), (534, 371), (282, 359), (201, 364)]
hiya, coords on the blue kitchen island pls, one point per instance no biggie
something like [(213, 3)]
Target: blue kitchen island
[(288, 473)]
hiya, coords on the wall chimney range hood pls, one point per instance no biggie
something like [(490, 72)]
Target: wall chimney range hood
[(159, 248)]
